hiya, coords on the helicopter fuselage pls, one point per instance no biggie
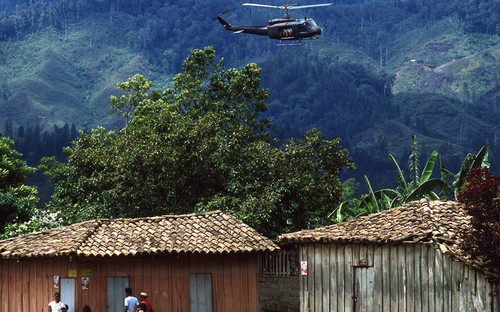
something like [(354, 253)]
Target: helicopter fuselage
[(293, 29), (281, 29)]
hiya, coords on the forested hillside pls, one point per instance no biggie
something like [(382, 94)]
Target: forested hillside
[(380, 72)]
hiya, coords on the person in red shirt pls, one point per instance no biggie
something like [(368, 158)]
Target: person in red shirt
[(143, 297)]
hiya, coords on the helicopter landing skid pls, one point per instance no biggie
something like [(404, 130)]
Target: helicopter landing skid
[(300, 43), (281, 44)]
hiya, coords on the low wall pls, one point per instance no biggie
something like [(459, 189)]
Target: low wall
[(278, 293)]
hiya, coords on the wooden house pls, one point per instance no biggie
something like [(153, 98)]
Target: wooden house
[(195, 262), (402, 259)]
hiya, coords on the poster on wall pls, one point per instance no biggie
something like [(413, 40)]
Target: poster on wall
[(56, 281), (85, 282), (86, 272), (303, 268)]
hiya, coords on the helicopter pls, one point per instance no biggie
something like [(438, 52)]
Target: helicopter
[(283, 29)]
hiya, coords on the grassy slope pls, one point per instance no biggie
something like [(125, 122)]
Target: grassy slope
[(56, 79)]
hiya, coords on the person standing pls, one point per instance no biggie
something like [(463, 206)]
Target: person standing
[(130, 301), (143, 297), (57, 305)]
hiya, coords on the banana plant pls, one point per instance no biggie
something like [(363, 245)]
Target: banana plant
[(457, 181), (420, 186)]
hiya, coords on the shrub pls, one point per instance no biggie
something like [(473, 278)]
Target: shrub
[(481, 196)]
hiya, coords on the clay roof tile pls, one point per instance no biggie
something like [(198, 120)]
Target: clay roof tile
[(414, 221), (211, 232)]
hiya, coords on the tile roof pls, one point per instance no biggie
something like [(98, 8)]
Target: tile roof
[(417, 221), (211, 233)]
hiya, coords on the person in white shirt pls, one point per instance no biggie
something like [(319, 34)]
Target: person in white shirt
[(130, 301), (57, 305)]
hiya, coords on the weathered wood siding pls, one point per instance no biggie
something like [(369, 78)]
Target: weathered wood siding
[(27, 284), (376, 278)]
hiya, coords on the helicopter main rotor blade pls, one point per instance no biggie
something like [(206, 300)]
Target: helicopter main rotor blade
[(288, 7), (264, 5), (309, 6)]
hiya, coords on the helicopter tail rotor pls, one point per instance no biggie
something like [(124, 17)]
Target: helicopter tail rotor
[(220, 14)]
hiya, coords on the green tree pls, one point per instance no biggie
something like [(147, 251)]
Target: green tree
[(17, 200), (199, 146), (135, 89)]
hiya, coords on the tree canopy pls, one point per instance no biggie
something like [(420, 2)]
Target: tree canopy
[(17, 200), (201, 145)]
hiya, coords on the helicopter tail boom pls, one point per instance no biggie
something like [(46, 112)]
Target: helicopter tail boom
[(256, 30)]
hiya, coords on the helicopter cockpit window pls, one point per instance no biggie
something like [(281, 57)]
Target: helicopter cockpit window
[(313, 23)]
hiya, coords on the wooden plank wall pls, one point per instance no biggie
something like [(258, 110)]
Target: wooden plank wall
[(27, 284), (407, 277)]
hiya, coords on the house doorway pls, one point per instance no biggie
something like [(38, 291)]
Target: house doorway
[(200, 292), (68, 292), (116, 292), (363, 288)]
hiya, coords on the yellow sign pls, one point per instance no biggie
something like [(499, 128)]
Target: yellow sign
[(71, 273), (86, 272)]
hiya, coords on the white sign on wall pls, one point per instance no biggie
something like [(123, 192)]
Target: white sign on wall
[(303, 267)]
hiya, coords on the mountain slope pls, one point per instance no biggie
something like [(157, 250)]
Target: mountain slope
[(380, 72)]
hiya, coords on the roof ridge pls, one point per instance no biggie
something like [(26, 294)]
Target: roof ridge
[(170, 216), (428, 217), (91, 230)]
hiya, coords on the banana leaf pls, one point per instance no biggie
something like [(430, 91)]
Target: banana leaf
[(427, 189), (461, 176), (373, 200), (446, 175), (401, 177), (429, 167), (338, 213), (481, 158)]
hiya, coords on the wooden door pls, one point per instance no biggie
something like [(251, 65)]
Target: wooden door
[(200, 291), (68, 292), (363, 289), (116, 293)]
